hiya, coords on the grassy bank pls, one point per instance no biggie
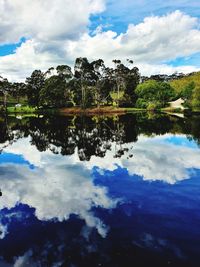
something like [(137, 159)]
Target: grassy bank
[(90, 111), (101, 110), (22, 109)]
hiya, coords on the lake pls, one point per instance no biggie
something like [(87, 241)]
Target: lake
[(114, 191)]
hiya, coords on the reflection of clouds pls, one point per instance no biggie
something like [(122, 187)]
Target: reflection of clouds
[(25, 260), (60, 186), (162, 158), (3, 231), (55, 191), (155, 159), (149, 241)]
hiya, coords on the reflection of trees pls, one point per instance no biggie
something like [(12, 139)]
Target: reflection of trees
[(8, 134), (90, 137), (93, 136)]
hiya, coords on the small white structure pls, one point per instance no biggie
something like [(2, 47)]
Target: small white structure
[(18, 105), (177, 104)]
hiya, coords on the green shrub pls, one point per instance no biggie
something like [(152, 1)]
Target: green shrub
[(153, 106), (141, 103)]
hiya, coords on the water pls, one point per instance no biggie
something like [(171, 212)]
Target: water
[(100, 191)]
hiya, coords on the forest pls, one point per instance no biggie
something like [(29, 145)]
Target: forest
[(94, 85)]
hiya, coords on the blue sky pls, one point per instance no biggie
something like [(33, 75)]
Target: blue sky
[(160, 36), (8, 49), (119, 14)]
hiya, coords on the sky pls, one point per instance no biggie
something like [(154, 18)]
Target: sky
[(159, 36)]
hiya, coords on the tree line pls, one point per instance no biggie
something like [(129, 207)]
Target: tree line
[(87, 85)]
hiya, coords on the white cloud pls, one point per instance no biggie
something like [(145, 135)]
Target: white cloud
[(45, 20), (154, 159), (150, 43), (57, 188), (60, 186)]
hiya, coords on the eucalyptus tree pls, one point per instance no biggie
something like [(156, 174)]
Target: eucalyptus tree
[(55, 93), (126, 79), (34, 85), (65, 71), (102, 82), (84, 72), (5, 87), (18, 89)]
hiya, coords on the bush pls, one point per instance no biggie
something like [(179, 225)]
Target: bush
[(141, 103), (196, 97), (125, 102), (153, 106), (152, 91)]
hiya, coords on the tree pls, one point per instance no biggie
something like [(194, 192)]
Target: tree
[(102, 85), (34, 84), (155, 92), (196, 97), (131, 81), (4, 89), (18, 90), (55, 93), (65, 71), (84, 72), (186, 94), (126, 80)]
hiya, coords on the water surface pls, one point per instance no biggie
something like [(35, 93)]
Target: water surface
[(100, 191)]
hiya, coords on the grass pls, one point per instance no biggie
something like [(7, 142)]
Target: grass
[(22, 109)]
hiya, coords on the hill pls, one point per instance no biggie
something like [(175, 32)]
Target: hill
[(180, 84)]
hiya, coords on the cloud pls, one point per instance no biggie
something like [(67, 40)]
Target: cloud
[(56, 188), (152, 41), (150, 44), (156, 158), (45, 20)]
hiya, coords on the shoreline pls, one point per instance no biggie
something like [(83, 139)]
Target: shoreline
[(108, 110)]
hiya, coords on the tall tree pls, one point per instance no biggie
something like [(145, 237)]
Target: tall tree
[(55, 93), (18, 90), (4, 88), (84, 72), (102, 85), (65, 71), (126, 80), (34, 84)]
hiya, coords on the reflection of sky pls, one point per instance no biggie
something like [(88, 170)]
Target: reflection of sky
[(15, 159), (178, 141), (151, 198)]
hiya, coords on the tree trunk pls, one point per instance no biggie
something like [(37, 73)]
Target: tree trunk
[(118, 95), (5, 101)]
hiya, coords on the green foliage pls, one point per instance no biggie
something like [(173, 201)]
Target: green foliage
[(34, 84), (180, 84), (54, 93), (196, 97), (154, 92), (89, 98), (74, 86), (188, 90), (153, 106), (141, 103), (22, 109)]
